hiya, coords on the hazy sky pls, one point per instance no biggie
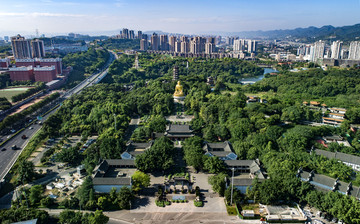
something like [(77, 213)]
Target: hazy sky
[(181, 16)]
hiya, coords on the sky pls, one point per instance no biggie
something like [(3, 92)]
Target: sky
[(184, 16)]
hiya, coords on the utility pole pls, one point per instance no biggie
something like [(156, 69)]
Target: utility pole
[(232, 184), (115, 120)]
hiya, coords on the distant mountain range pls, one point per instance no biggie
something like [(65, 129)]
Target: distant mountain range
[(345, 33)]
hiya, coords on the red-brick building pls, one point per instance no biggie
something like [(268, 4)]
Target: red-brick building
[(25, 62), (42, 62), (44, 74), (52, 62), (22, 73), (4, 63)]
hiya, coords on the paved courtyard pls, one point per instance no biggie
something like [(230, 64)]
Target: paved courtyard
[(211, 205)]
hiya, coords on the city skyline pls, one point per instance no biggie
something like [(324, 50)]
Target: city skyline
[(187, 17)]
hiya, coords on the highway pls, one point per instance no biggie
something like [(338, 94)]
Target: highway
[(9, 156)]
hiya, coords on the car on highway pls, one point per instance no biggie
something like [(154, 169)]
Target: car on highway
[(12, 130), (31, 128), (3, 149)]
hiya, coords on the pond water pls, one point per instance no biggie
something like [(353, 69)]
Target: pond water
[(252, 80)]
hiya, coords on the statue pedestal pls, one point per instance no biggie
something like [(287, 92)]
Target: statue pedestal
[(179, 98)]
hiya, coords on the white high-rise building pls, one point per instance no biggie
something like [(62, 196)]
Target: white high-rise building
[(336, 49), (354, 50), (318, 50), (252, 44), (239, 45)]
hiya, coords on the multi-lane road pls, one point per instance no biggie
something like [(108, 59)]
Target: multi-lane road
[(9, 156)]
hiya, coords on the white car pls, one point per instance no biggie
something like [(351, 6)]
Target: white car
[(31, 128)]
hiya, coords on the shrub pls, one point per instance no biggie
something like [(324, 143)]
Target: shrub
[(198, 203), (160, 203), (167, 203)]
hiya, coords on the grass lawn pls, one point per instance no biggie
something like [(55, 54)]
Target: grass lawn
[(231, 210), (10, 92)]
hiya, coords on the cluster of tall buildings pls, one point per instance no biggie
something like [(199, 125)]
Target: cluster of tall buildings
[(130, 34), (319, 50), (23, 48), (30, 64), (184, 44), (240, 45)]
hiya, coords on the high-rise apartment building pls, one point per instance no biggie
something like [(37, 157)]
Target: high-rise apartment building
[(239, 45), (21, 47), (212, 40), (125, 33), (132, 34), (38, 49), (185, 46), (177, 46), (230, 40), (252, 45), (319, 50), (172, 42), (209, 48), (164, 43), (336, 47), (354, 50), (155, 42), (140, 35), (143, 45), (145, 37)]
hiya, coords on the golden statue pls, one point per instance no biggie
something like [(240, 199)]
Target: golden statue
[(179, 94)]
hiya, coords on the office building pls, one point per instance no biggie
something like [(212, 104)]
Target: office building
[(125, 33), (38, 49), (139, 35), (132, 34), (6, 38), (184, 39), (252, 45), (172, 43), (143, 45), (21, 47), (354, 50), (164, 43), (155, 42)]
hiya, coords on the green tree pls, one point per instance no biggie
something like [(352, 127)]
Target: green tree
[(98, 218), (70, 217), (36, 192), (83, 193), (124, 198), (140, 180), (218, 183), (26, 171), (213, 164)]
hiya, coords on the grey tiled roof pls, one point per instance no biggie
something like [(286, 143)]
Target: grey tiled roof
[(343, 157), (178, 128), (112, 181)]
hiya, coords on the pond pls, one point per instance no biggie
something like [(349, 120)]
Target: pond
[(252, 80)]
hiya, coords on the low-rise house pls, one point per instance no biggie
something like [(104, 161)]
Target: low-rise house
[(325, 183), (347, 159), (223, 150), (337, 110), (112, 173), (133, 149), (245, 172), (332, 121), (253, 99), (178, 132)]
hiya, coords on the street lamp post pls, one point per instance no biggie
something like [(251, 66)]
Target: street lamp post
[(115, 120), (232, 184)]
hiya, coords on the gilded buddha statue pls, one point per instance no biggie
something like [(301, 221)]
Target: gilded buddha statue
[(179, 94)]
